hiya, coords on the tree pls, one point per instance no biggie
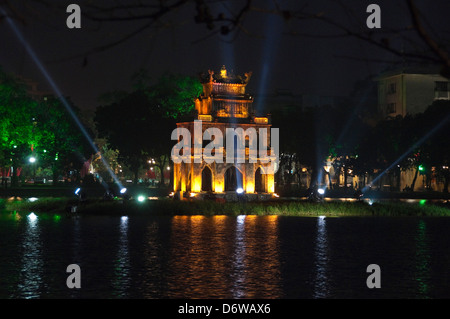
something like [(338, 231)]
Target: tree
[(17, 126), (173, 94), (434, 125), (136, 123), (59, 143), (42, 129)]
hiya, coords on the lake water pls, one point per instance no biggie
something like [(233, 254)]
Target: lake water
[(223, 257)]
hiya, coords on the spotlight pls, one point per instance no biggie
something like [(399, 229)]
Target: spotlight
[(77, 191), (32, 217), (32, 159), (321, 191), (141, 198), (240, 190), (123, 190)]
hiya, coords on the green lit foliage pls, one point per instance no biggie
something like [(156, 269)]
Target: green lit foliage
[(59, 143), (42, 129), (174, 94), (17, 125)]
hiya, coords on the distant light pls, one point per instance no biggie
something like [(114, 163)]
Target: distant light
[(322, 217), (77, 191), (141, 198), (32, 217), (123, 190), (124, 218), (45, 151), (240, 190), (168, 168), (32, 159), (370, 202), (422, 202), (240, 219), (421, 168), (276, 195), (33, 199), (321, 191), (192, 194)]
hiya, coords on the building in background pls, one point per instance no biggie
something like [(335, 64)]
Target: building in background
[(410, 91)]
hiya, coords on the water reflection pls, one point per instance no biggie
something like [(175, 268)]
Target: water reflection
[(121, 282), (262, 259), (154, 270), (30, 277), (201, 266), (422, 258), (237, 273), (321, 287)]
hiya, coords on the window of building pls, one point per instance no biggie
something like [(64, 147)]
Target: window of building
[(441, 91), (392, 88), (391, 108), (442, 86)]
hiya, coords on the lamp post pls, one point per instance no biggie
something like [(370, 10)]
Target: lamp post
[(32, 160)]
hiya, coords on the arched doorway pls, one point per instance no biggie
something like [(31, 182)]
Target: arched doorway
[(206, 179), (233, 179), (259, 181), (188, 184)]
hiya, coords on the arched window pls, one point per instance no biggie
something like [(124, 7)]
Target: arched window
[(259, 181), (233, 179), (206, 179)]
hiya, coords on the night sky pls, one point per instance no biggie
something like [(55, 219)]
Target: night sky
[(301, 64)]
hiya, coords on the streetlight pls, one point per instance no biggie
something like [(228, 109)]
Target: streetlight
[(32, 160)]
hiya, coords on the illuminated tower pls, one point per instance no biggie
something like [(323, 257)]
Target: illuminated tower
[(225, 104)]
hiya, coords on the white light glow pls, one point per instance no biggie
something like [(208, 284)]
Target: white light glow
[(141, 198), (240, 190), (32, 159), (32, 217), (123, 190), (321, 191), (33, 199)]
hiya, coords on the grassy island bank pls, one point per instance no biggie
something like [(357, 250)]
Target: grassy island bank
[(169, 207)]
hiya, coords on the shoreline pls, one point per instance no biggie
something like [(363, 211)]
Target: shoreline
[(171, 207)]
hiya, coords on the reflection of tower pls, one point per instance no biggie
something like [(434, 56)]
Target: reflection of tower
[(225, 104)]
